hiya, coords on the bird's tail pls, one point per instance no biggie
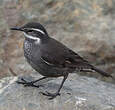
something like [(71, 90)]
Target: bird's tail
[(101, 72)]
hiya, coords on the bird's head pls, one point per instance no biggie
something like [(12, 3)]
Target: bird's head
[(32, 30)]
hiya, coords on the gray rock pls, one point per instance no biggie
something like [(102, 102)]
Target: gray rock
[(78, 93)]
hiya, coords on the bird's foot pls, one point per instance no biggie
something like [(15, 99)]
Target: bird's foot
[(51, 95), (26, 83)]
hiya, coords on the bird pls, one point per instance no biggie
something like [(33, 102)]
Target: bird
[(51, 58)]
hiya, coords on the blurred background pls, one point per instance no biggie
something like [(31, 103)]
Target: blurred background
[(85, 26)]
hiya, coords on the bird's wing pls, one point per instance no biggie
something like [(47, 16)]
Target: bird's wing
[(61, 56), (69, 60), (53, 60)]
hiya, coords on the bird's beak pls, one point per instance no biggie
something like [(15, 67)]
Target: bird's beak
[(17, 28)]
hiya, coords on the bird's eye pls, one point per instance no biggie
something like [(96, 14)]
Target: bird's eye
[(30, 30)]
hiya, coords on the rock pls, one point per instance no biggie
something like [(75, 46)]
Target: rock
[(78, 93)]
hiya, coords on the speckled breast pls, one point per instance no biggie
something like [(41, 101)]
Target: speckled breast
[(27, 49)]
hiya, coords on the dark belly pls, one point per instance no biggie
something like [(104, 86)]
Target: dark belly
[(47, 70)]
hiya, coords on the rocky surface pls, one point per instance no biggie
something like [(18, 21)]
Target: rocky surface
[(86, 26), (78, 93)]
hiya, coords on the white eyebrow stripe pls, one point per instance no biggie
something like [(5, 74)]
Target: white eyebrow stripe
[(38, 30), (31, 37)]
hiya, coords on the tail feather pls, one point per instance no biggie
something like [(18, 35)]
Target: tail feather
[(102, 72)]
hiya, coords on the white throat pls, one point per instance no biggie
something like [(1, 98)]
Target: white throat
[(37, 40)]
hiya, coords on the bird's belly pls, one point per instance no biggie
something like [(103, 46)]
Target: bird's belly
[(47, 70)]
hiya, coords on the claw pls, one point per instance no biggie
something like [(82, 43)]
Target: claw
[(51, 95), (23, 80), (26, 83)]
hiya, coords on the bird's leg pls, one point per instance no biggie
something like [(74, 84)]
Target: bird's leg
[(26, 83), (53, 95)]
